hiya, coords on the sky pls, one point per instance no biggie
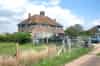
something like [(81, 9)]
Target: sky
[(66, 12)]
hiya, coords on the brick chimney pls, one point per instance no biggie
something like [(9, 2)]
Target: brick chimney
[(29, 16), (42, 13), (55, 20)]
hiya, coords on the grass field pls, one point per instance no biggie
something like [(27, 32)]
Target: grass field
[(63, 58), (10, 48), (98, 54)]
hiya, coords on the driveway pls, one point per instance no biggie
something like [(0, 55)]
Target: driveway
[(95, 61), (91, 59)]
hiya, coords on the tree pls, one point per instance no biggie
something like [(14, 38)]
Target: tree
[(86, 33), (78, 27), (22, 37), (74, 30)]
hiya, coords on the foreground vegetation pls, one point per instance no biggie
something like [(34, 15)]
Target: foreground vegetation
[(98, 54), (21, 37), (63, 58), (10, 47), (7, 48)]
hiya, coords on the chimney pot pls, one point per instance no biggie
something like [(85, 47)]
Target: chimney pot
[(42, 13), (29, 15), (55, 20)]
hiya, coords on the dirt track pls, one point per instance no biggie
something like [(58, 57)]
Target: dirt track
[(94, 61), (91, 59)]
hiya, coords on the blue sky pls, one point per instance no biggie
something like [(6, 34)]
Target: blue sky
[(66, 12), (83, 7), (88, 9)]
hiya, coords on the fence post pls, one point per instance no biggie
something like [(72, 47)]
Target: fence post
[(69, 44), (89, 42), (64, 46), (78, 41), (47, 40), (17, 53)]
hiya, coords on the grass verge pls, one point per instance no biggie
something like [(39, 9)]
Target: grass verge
[(9, 48), (63, 58), (98, 54)]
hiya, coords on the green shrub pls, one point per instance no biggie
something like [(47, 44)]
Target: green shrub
[(98, 54), (20, 37)]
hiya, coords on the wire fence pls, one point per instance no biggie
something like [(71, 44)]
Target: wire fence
[(52, 48)]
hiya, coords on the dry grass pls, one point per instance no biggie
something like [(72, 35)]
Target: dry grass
[(7, 61), (28, 57), (36, 56)]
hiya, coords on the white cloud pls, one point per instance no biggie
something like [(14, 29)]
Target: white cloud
[(63, 16), (11, 4), (96, 22), (51, 7), (55, 2), (3, 18)]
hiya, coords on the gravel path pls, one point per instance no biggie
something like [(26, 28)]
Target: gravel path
[(95, 61), (88, 60)]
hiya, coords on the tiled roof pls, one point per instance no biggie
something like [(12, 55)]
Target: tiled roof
[(40, 20), (94, 29)]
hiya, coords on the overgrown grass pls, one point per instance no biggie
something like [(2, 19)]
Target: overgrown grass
[(7, 48), (63, 58), (98, 54), (10, 48), (32, 46)]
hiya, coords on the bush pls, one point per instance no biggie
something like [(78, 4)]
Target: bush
[(20, 37)]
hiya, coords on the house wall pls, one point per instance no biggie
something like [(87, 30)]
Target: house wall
[(40, 30)]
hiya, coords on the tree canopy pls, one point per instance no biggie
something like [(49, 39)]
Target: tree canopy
[(74, 30)]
